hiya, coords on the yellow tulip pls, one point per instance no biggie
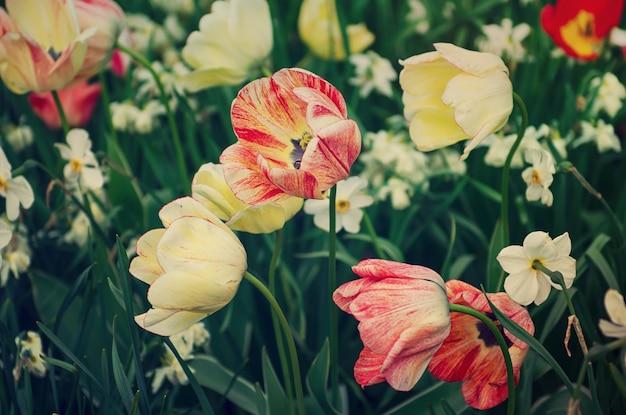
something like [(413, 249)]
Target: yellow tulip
[(318, 25), (210, 188), (454, 94), (194, 266)]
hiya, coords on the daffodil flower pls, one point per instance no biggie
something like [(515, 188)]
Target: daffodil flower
[(526, 284)]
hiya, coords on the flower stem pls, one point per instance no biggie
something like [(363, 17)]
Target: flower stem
[(57, 102), (180, 158), (291, 344), (202, 399), (510, 375), (275, 322), (372, 232), (332, 283), (504, 206)]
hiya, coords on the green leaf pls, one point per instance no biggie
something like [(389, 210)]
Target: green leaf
[(317, 379), (555, 315), (212, 375), (261, 400), (486, 191), (73, 293), (558, 403), (494, 270), (121, 381), (274, 392), (595, 255), (391, 249), (431, 398), (459, 266)]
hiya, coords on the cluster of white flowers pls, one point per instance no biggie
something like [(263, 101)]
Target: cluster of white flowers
[(504, 40), (29, 353), (126, 116), (15, 253), (185, 342), (18, 136), (600, 133), (500, 145), (607, 94), (418, 16), (372, 72)]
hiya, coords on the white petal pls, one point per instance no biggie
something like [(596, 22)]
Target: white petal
[(513, 259), (167, 322), (522, 287), (615, 307), (351, 220), (539, 245)]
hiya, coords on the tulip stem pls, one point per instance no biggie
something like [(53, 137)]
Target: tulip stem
[(332, 283), (178, 148), (504, 204), (275, 323), (57, 102), (373, 236), (291, 344), (491, 325)]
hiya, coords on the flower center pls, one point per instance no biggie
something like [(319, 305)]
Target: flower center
[(3, 184), (76, 165), (487, 336), (580, 34), (342, 205), (299, 146), (535, 177)]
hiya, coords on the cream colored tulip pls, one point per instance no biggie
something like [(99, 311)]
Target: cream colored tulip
[(194, 266), (233, 40), (210, 188), (319, 29), (454, 94), (42, 47)]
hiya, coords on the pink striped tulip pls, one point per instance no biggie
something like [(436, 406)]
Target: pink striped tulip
[(403, 319), (78, 103), (294, 139)]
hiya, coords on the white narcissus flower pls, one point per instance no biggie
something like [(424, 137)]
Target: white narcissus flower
[(538, 177), (349, 201), (15, 190), (210, 188), (602, 133), (500, 146), (18, 136), (29, 352), (15, 255), (525, 284), (372, 72), (454, 94), (399, 191), (418, 16), (504, 40), (194, 266), (616, 309), (234, 39), (82, 166)]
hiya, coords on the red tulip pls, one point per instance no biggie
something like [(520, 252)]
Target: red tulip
[(78, 103), (294, 138), (579, 27), (471, 354)]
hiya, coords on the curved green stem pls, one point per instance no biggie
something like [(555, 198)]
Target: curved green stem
[(57, 102), (504, 205), (291, 344), (275, 323), (372, 232), (332, 283), (180, 158), (510, 375)]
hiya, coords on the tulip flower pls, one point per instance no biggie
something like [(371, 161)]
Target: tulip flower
[(108, 18), (318, 26), (580, 27), (210, 188), (42, 47), (294, 139), (234, 39), (403, 319), (194, 266), (471, 353), (78, 103), (454, 94)]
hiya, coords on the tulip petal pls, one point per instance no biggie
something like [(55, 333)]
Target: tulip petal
[(367, 369), (145, 266), (167, 322)]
